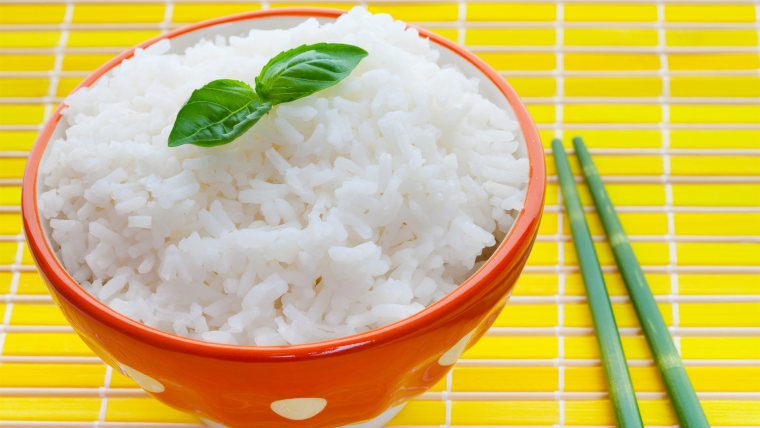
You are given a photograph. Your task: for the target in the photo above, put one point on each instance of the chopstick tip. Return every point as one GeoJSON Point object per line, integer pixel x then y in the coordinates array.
{"type": "Point", "coordinates": [578, 142]}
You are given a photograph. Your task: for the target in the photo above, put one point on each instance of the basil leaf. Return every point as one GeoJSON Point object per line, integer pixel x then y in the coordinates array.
{"type": "Point", "coordinates": [224, 109]}
{"type": "Point", "coordinates": [306, 69]}
{"type": "Point", "coordinates": [217, 113]}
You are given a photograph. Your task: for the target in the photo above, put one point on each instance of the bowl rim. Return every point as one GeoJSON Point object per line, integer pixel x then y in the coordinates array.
{"type": "Point", "coordinates": [68, 288]}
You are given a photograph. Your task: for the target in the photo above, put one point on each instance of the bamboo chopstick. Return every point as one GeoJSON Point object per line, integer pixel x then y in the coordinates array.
{"type": "Point", "coordinates": [622, 396]}
{"type": "Point", "coordinates": [677, 383]}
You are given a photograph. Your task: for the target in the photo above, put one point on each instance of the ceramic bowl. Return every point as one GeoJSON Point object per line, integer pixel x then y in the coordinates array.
{"type": "Point", "coordinates": [362, 378]}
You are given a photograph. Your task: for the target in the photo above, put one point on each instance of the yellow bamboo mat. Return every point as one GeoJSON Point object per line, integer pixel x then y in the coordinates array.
{"type": "Point", "coordinates": [667, 95]}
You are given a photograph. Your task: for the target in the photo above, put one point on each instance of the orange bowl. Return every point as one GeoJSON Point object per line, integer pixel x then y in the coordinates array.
{"type": "Point", "coordinates": [363, 378]}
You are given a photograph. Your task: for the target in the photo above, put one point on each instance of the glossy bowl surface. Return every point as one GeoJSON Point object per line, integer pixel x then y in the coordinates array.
{"type": "Point", "coordinates": [324, 384]}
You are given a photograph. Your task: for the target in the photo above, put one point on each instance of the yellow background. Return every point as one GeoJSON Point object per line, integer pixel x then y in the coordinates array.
{"type": "Point", "coordinates": [667, 95]}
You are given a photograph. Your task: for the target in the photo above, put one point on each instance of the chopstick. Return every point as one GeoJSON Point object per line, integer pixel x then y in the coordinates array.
{"type": "Point", "coordinates": [677, 383]}
{"type": "Point", "coordinates": [622, 396]}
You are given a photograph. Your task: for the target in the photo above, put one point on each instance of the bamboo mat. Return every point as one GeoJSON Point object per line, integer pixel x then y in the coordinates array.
{"type": "Point", "coordinates": [667, 95]}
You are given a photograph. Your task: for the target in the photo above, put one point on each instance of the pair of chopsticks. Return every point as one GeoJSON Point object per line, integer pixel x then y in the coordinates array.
{"type": "Point", "coordinates": [621, 393]}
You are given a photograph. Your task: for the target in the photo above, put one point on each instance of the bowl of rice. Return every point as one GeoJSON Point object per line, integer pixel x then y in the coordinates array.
{"type": "Point", "coordinates": [325, 267]}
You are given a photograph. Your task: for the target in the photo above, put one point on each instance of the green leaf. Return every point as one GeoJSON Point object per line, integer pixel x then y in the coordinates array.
{"type": "Point", "coordinates": [217, 113]}
{"type": "Point", "coordinates": [224, 109]}
{"type": "Point", "coordinates": [305, 70]}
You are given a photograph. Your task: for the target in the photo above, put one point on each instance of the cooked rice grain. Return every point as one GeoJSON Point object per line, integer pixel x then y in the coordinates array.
{"type": "Point", "coordinates": [337, 213]}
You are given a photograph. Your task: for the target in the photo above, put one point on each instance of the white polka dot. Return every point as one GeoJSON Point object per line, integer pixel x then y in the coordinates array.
{"type": "Point", "coordinates": [146, 382]}
{"type": "Point", "coordinates": [379, 421]}
{"type": "Point", "coordinates": [211, 424]}
{"type": "Point", "coordinates": [452, 355]}
{"type": "Point", "coordinates": [298, 409]}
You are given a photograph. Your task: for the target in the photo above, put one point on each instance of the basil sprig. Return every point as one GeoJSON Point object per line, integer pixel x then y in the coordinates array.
{"type": "Point", "coordinates": [224, 109]}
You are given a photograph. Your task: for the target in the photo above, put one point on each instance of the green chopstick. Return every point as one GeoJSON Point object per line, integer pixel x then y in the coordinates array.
{"type": "Point", "coordinates": [677, 383]}
{"type": "Point", "coordinates": [622, 396]}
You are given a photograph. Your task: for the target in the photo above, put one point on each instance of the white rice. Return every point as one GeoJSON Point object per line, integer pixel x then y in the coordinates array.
{"type": "Point", "coordinates": [335, 214]}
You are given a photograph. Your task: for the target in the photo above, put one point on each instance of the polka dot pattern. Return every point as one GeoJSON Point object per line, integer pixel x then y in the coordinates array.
{"type": "Point", "coordinates": [146, 382]}
{"type": "Point", "coordinates": [211, 424]}
{"type": "Point", "coordinates": [299, 409]}
{"type": "Point", "coordinates": [380, 420]}
{"type": "Point", "coordinates": [452, 355]}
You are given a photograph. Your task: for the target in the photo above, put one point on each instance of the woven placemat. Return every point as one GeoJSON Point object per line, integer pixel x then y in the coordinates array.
{"type": "Point", "coordinates": [666, 94]}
